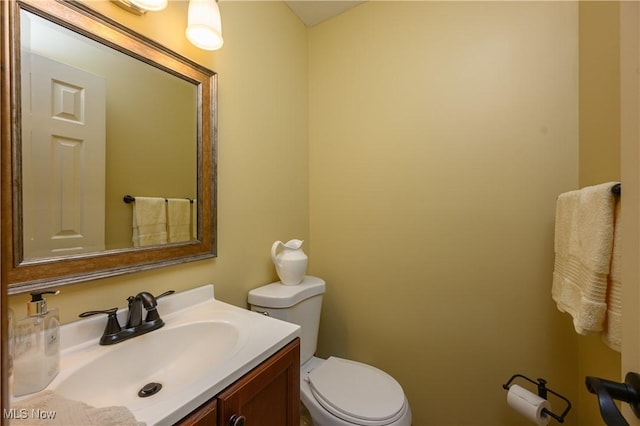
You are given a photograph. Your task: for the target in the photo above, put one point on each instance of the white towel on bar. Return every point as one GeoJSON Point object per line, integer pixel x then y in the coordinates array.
{"type": "Point", "coordinates": [612, 334]}
{"type": "Point", "coordinates": [149, 221]}
{"type": "Point", "coordinates": [179, 219]}
{"type": "Point", "coordinates": [583, 245]}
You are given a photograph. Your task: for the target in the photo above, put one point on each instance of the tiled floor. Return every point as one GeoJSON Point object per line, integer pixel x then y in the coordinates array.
{"type": "Point", "coordinates": [305, 418]}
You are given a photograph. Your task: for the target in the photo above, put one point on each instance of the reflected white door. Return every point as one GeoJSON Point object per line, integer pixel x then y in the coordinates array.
{"type": "Point", "coordinates": [63, 159]}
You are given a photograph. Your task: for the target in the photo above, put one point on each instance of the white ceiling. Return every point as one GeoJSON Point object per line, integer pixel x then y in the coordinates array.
{"type": "Point", "coordinates": [312, 12]}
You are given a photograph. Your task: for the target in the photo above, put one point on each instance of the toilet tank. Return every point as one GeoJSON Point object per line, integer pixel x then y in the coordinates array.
{"type": "Point", "coordinates": [298, 304]}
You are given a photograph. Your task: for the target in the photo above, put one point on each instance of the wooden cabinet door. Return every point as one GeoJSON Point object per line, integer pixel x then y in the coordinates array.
{"type": "Point", "coordinates": [205, 415]}
{"type": "Point", "coordinates": [269, 395]}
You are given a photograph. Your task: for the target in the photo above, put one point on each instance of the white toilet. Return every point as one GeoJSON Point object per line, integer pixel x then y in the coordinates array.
{"type": "Point", "coordinates": [336, 391]}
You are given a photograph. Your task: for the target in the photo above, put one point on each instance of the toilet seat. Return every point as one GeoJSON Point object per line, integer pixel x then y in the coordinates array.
{"type": "Point", "coordinates": [357, 393]}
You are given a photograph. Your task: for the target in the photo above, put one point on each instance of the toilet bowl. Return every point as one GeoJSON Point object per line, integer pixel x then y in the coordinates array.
{"type": "Point", "coordinates": [340, 392]}
{"type": "Point", "coordinates": [335, 391]}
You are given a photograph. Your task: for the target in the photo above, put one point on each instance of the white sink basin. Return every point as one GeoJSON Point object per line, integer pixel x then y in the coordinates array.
{"type": "Point", "coordinates": [173, 357]}
{"type": "Point", "coordinates": [205, 346]}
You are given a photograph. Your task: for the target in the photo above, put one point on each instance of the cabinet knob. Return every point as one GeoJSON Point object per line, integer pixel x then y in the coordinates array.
{"type": "Point", "coordinates": [236, 420]}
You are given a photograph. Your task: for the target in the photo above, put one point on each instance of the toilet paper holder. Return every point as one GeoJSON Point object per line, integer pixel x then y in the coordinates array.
{"type": "Point", "coordinates": [543, 391]}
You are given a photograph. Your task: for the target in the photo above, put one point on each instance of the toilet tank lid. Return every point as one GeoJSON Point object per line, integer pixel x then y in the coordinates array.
{"type": "Point", "coordinates": [278, 295]}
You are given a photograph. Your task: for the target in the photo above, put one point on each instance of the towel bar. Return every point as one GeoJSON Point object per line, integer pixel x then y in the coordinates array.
{"type": "Point", "coordinates": [129, 199]}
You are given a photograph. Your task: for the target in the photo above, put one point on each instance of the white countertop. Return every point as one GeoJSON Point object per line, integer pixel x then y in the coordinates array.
{"type": "Point", "coordinates": [257, 338]}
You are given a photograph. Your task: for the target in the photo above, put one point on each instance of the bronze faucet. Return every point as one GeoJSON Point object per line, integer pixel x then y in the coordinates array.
{"type": "Point", "coordinates": [135, 326]}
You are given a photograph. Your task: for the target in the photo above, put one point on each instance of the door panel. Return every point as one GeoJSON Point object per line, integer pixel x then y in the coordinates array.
{"type": "Point", "coordinates": [64, 133]}
{"type": "Point", "coordinates": [267, 396]}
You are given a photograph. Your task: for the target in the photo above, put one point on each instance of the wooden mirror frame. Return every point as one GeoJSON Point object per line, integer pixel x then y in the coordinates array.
{"type": "Point", "coordinates": [23, 276]}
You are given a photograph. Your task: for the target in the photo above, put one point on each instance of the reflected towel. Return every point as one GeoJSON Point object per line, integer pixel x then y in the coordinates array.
{"type": "Point", "coordinates": [179, 219]}
{"type": "Point", "coordinates": [49, 408]}
{"type": "Point", "coordinates": [612, 334]}
{"type": "Point", "coordinates": [583, 246]}
{"type": "Point", "coordinates": [149, 221]}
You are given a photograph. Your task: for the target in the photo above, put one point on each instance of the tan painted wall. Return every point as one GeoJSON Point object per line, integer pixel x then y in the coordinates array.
{"type": "Point", "coordinates": [599, 160]}
{"type": "Point", "coordinates": [441, 134]}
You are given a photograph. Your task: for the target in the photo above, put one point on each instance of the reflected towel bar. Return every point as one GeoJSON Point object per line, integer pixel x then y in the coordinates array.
{"type": "Point", "coordinates": [129, 199]}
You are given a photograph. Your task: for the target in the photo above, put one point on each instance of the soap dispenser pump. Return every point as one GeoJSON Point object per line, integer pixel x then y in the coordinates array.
{"type": "Point", "coordinates": [36, 346]}
{"type": "Point", "coordinates": [38, 305]}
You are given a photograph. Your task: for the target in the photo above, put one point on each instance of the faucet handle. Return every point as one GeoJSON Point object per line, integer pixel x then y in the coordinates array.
{"type": "Point", "coordinates": [113, 326]}
{"type": "Point", "coordinates": [166, 293]}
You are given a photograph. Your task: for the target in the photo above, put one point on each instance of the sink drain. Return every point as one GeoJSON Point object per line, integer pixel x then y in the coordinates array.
{"type": "Point", "coordinates": [149, 389]}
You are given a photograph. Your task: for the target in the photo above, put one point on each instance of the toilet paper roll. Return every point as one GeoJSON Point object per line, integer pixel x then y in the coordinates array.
{"type": "Point", "coordinates": [528, 404]}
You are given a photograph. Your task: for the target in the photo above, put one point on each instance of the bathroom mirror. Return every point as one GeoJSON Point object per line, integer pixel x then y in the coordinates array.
{"type": "Point", "coordinates": [155, 137]}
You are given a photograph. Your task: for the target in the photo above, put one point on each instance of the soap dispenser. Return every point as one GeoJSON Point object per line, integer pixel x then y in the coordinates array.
{"type": "Point", "coordinates": [36, 348]}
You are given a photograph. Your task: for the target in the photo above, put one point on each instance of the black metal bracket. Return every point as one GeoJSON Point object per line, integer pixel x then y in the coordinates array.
{"type": "Point", "coordinates": [543, 392]}
{"type": "Point", "coordinates": [607, 391]}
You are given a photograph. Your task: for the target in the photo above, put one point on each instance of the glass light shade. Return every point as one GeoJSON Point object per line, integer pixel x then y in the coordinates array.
{"type": "Point", "coordinates": [204, 28]}
{"type": "Point", "coordinates": [153, 5]}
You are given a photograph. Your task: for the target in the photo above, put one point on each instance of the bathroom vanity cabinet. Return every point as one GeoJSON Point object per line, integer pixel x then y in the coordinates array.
{"type": "Point", "coordinates": [269, 395]}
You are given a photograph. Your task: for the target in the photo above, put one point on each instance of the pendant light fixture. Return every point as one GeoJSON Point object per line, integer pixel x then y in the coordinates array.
{"type": "Point", "coordinates": [204, 27]}
{"type": "Point", "coordinates": [151, 5]}
{"type": "Point", "coordinates": [140, 7]}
